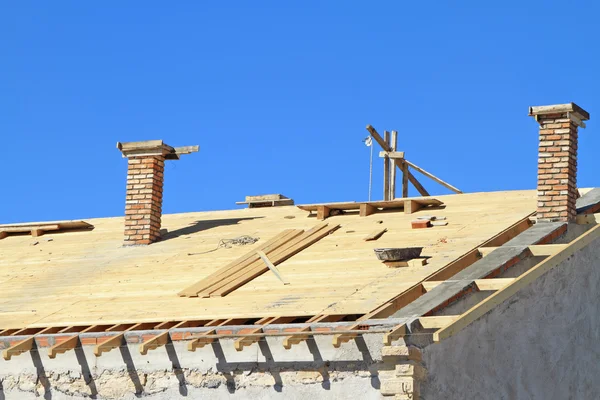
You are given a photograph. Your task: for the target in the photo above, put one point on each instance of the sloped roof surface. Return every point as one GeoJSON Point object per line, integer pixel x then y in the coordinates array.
{"type": "Point", "coordinates": [83, 278]}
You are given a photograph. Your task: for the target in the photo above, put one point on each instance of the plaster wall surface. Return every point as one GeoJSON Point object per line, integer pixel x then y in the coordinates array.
{"type": "Point", "coordinates": [543, 343]}
{"type": "Point", "coordinates": [312, 369]}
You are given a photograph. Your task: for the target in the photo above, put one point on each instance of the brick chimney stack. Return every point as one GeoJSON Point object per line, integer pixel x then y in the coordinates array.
{"type": "Point", "coordinates": [557, 162]}
{"type": "Point", "coordinates": [145, 176]}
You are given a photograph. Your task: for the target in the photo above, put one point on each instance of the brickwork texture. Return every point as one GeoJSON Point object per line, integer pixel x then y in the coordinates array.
{"type": "Point", "coordinates": [143, 204]}
{"type": "Point", "coordinates": [557, 168]}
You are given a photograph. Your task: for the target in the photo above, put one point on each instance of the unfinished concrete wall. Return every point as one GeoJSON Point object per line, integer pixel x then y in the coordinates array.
{"type": "Point", "coordinates": [310, 370]}
{"type": "Point", "coordinates": [543, 343]}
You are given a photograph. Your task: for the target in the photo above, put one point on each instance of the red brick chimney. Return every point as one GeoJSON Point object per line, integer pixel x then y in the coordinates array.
{"type": "Point", "coordinates": [557, 163]}
{"type": "Point", "coordinates": [145, 175]}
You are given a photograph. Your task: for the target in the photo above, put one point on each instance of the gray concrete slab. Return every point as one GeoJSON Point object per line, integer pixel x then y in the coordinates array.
{"type": "Point", "coordinates": [535, 234]}
{"type": "Point", "coordinates": [588, 200]}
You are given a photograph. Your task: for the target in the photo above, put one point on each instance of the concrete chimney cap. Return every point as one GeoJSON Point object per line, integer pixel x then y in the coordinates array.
{"type": "Point", "coordinates": [154, 148]}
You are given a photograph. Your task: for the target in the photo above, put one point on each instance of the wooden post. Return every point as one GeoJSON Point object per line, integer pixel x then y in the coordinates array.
{"type": "Point", "coordinates": [404, 179]}
{"type": "Point", "coordinates": [392, 167]}
{"type": "Point", "coordinates": [386, 169]}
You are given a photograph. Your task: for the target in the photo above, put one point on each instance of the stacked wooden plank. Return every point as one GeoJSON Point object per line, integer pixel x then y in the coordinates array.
{"type": "Point", "coordinates": [39, 228]}
{"type": "Point", "coordinates": [250, 265]}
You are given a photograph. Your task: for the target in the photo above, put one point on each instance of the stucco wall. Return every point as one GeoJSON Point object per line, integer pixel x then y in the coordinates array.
{"type": "Point", "coordinates": [543, 343]}
{"type": "Point", "coordinates": [313, 369]}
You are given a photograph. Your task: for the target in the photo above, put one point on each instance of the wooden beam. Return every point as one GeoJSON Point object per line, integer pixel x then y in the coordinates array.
{"type": "Point", "coordinates": [247, 341]}
{"type": "Point", "coordinates": [289, 341]}
{"type": "Point", "coordinates": [322, 212]}
{"type": "Point", "coordinates": [18, 348]}
{"type": "Point", "coordinates": [167, 324]}
{"type": "Point", "coordinates": [109, 344]}
{"type": "Point", "coordinates": [49, 330]}
{"type": "Point", "coordinates": [279, 334]}
{"type": "Point", "coordinates": [37, 232]}
{"type": "Point", "coordinates": [378, 138]}
{"type": "Point", "coordinates": [392, 167]}
{"type": "Point", "coordinates": [375, 235]}
{"type": "Point", "coordinates": [386, 169]}
{"type": "Point", "coordinates": [437, 321]}
{"type": "Point", "coordinates": [387, 148]}
{"type": "Point", "coordinates": [493, 283]}
{"type": "Point", "coordinates": [411, 206]}
{"type": "Point", "coordinates": [119, 327]}
{"type": "Point", "coordinates": [205, 337]}
{"type": "Point", "coordinates": [404, 179]}
{"type": "Point", "coordinates": [366, 209]}
{"type": "Point", "coordinates": [435, 178]}
{"type": "Point", "coordinates": [154, 343]}
{"type": "Point", "coordinates": [416, 262]}
{"type": "Point", "coordinates": [3, 235]}
{"type": "Point", "coordinates": [519, 283]}
{"type": "Point", "coordinates": [201, 341]}
{"type": "Point", "coordinates": [481, 284]}
{"type": "Point", "coordinates": [416, 183]}
{"type": "Point", "coordinates": [546, 249]}
{"type": "Point", "coordinates": [395, 334]}
{"type": "Point", "coordinates": [272, 267]}
{"type": "Point", "coordinates": [392, 155]}
{"type": "Point", "coordinates": [26, 331]}
{"type": "Point", "coordinates": [582, 219]}
{"type": "Point", "coordinates": [142, 326]}
{"type": "Point", "coordinates": [64, 346]}
{"type": "Point", "coordinates": [433, 322]}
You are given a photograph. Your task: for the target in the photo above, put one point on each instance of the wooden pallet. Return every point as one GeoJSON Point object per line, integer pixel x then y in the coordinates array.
{"type": "Point", "coordinates": [367, 208]}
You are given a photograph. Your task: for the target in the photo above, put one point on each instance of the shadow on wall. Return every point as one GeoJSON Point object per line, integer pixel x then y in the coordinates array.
{"type": "Point", "coordinates": [200, 226]}
{"type": "Point", "coordinates": [223, 366]}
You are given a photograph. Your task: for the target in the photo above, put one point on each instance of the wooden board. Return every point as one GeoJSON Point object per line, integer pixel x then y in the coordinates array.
{"type": "Point", "coordinates": [88, 277]}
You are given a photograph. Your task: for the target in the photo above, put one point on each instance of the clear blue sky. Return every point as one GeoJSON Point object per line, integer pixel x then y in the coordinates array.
{"type": "Point", "coordinates": [277, 94]}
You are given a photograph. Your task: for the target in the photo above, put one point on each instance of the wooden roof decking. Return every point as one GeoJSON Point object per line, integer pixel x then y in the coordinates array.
{"type": "Point", "coordinates": [89, 278]}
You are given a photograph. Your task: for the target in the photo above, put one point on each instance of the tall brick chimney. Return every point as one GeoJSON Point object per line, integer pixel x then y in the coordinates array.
{"type": "Point", "coordinates": [145, 175]}
{"type": "Point", "coordinates": [557, 162]}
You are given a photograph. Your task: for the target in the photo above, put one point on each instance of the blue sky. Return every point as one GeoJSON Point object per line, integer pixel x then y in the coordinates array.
{"type": "Point", "coordinates": [278, 94]}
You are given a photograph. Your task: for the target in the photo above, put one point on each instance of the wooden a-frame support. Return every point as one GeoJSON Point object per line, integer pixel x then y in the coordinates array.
{"type": "Point", "coordinates": [392, 157]}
